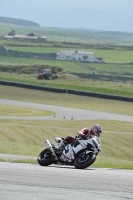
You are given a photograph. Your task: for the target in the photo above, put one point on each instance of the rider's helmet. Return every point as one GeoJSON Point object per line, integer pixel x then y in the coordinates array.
{"type": "Point", "coordinates": [96, 130]}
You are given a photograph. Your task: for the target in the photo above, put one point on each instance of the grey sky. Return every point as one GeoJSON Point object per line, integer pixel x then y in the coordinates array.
{"type": "Point", "coordinates": [110, 15]}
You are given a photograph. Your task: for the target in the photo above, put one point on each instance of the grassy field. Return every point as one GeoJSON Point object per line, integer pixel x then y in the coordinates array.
{"type": "Point", "coordinates": [6, 110]}
{"type": "Point", "coordinates": [73, 67]}
{"type": "Point", "coordinates": [107, 55]}
{"type": "Point", "coordinates": [26, 137]}
{"type": "Point", "coordinates": [119, 74]}
{"type": "Point", "coordinates": [72, 35]}
{"type": "Point", "coordinates": [68, 81]}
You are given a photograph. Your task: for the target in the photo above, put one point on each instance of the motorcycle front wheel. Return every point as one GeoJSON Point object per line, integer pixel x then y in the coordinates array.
{"type": "Point", "coordinates": [84, 160]}
{"type": "Point", "coordinates": [45, 158]}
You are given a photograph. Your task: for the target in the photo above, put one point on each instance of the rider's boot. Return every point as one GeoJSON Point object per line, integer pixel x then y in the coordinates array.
{"type": "Point", "coordinates": [58, 148]}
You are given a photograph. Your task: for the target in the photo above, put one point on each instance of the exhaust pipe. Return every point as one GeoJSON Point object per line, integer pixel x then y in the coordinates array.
{"type": "Point", "coordinates": [49, 146]}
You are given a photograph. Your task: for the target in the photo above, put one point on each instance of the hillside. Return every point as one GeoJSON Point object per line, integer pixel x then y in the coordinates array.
{"type": "Point", "coordinates": [81, 36]}
{"type": "Point", "coordinates": [18, 21]}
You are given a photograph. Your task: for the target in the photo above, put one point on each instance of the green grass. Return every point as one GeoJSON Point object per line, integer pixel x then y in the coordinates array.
{"type": "Point", "coordinates": [75, 83]}
{"type": "Point", "coordinates": [72, 67]}
{"type": "Point", "coordinates": [72, 35]}
{"type": "Point", "coordinates": [6, 110]}
{"type": "Point", "coordinates": [112, 163]}
{"type": "Point", "coordinates": [36, 49]}
{"type": "Point", "coordinates": [123, 88]}
{"type": "Point", "coordinates": [113, 55]}
{"type": "Point", "coordinates": [107, 55]}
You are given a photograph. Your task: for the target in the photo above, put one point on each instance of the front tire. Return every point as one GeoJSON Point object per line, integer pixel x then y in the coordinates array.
{"type": "Point", "coordinates": [84, 160]}
{"type": "Point", "coordinates": [45, 158]}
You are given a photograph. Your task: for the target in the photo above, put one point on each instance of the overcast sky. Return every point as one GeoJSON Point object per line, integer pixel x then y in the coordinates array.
{"type": "Point", "coordinates": [110, 15]}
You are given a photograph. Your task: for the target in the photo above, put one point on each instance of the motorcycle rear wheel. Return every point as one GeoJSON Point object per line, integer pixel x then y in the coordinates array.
{"type": "Point", "coordinates": [82, 162]}
{"type": "Point", "coordinates": [45, 158]}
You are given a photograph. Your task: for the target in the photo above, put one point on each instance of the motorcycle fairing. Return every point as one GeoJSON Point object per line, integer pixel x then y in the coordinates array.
{"type": "Point", "coordinates": [70, 150]}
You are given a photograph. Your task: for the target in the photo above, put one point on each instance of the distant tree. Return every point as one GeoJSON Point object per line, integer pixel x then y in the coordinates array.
{"type": "Point", "coordinates": [18, 21]}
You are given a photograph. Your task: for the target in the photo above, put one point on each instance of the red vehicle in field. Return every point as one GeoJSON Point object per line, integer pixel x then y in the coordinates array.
{"type": "Point", "coordinates": [47, 74]}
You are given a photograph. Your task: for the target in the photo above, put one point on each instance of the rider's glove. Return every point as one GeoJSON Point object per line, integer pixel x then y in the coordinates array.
{"type": "Point", "coordinates": [84, 137]}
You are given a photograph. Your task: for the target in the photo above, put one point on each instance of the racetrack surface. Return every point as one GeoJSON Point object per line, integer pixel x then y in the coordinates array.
{"type": "Point", "coordinates": [61, 112]}
{"type": "Point", "coordinates": [31, 181]}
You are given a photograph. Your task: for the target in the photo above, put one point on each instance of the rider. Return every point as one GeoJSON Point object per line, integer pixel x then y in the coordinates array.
{"type": "Point", "coordinates": [83, 134]}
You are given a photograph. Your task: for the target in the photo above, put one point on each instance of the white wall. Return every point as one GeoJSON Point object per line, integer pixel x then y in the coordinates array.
{"type": "Point", "coordinates": [76, 56]}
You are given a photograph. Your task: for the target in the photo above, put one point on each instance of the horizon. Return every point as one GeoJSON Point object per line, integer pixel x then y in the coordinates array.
{"type": "Point", "coordinates": [103, 15]}
{"type": "Point", "coordinates": [63, 27]}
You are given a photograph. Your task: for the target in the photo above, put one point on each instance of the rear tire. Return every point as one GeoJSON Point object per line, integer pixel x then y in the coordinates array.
{"type": "Point", "coordinates": [81, 162]}
{"type": "Point", "coordinates": [45, 158]}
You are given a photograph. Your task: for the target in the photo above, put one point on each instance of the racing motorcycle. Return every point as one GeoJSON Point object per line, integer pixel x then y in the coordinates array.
{"type": "Point", "coordinates": [80, 153]}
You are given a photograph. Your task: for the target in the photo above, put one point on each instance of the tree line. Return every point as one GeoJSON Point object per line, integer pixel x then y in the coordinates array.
{"type": "Point", "coordinates": [18, 21]}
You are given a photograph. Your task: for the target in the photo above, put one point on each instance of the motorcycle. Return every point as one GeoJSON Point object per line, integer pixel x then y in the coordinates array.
{"type": "Point", "coordinates": [80, 153]}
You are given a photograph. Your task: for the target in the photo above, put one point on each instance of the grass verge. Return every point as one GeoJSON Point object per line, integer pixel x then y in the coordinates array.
{"type": "Point", "coordinates": [100, 162]}
{"type": "Point", "coordinates": [6, 110]}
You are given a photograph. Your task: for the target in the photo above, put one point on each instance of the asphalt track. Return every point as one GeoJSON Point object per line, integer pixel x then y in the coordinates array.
{"type": "Point", "coordinates": [19, 181]}
{"type": "Point", "coordinates": [28, 181]}
{"type": "Point", "coordinates": [63, 113]}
